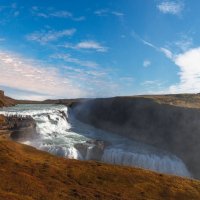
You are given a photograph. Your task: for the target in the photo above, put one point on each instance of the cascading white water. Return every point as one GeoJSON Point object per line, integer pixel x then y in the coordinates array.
{"type": "Point", "coordinates": [162, 163]}
{"type": "Point", "coordinates": [61, 134]}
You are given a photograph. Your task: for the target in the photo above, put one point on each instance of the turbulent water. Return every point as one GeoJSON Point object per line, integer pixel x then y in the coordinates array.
{"type": "Point", "coordinates": [59, 133]}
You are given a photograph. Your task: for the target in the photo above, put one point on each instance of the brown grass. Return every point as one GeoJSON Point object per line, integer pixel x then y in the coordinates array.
{"type": "Point", "coordinates": [29, 174]}
{"type": "Point", "coordinates": [181, 100]}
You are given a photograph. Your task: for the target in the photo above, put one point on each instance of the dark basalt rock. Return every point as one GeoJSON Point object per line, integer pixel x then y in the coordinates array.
{"type": "Point", "coordinates": [92, 149]}
{"type": "Point", "coordinates": [20, 128]}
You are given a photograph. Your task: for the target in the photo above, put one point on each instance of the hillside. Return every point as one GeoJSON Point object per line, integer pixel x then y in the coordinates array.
{"type": "Point", "coordinates": [180, 100]}
{"type": "Point", "coordinates": [27, 174]}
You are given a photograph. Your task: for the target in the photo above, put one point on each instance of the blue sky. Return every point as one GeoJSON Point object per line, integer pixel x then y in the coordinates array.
{"type": "Point", "coordinates": [99, 48]}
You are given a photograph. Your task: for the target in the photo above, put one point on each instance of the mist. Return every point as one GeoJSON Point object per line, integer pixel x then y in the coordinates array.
{"type": "Point", "coordinates": [166, 127]}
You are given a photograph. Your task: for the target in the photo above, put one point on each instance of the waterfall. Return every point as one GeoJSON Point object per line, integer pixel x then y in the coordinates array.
{"type": "Point", "coordinates": [61, 134]}
{"type": "Point", "coordinates": [162, 163]}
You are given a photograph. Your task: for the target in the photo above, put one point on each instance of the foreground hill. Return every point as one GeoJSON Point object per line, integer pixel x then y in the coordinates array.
{"type": "Point", "coordinates": [28, 174]}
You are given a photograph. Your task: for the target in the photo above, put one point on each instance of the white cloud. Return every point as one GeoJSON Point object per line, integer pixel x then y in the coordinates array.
{"type": "Point", "coordinates": [146, 63]}
{"type": "Point", "coordinates": [88, 45]}
{"type": "Point", "coordinates": [189, 65]}
{"type": "Point", "coordinates": [31, 75]}
{"type": "Point", "coordinates": [171, 7]}
{"type": "Point", "coordinates": [44, 37]}
{"type": "Point", "coordinates": [69, 59]}
{"type": "Point", "coordinates": [189, 70]}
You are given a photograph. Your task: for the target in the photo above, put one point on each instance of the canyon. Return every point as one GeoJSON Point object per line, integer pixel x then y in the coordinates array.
{"type": "Point", "coordinates": [170, 123]}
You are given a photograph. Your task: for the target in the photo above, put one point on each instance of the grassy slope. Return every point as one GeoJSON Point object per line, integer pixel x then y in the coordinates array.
{"type": "Point", "coordinates": [181, 100]}
{"type": "Point", "coordinates": [27, 173]}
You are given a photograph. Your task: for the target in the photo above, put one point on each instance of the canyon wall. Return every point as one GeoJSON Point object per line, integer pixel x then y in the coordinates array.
{"type": "Point", "coordinates": [171, 128]}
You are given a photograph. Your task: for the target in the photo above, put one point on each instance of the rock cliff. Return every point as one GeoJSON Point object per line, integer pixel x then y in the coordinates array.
{"type": "Point", "coordinates": [19, 128]}
{"type": "Point", "coordinates": [168, 127]}
{"type": "Point", "coordinates": [6, 101]}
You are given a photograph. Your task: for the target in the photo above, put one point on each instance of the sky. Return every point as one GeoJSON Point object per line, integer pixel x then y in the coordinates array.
{"type": "Point", "coordinates": [99, 48]}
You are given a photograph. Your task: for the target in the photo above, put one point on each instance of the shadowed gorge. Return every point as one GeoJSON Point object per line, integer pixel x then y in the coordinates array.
{"type": "Point", "coordinates": [168, 127]}
{"type": "Point", "coordinates": [126, 129]}
{"type": "Point", "coordinates": [53, 128]}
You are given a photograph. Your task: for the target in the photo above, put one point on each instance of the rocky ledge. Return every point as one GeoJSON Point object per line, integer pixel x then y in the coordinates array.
{"type": "Point", "coordinates": [19, 128]}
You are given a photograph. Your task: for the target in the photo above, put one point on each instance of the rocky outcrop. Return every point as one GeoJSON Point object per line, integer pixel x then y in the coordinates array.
{"type": "Point", "coordinates": [6, 101]}
{"type": "Point", "coordinates": [171, 128]}
{"type": "Point", "coordinates": [92, 149]}
{"type": "Point", "coordinates": [20, 128]}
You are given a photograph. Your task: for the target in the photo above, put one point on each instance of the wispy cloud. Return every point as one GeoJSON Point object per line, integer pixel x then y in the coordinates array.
{"type": "Point", "coordinates": [106, 12]}
{"type": "Point", "coordinates": [119, 14]}
{"type": "Point", "coordinates": [61, 14]}
{"type": "Point", "coordinates": [49, 13]}
{"type": "Point", "coordinates": [188, 63]}
{"type": "Point", "coordinates": [9, 12]}
{"type": "Point", "coordinates": [185, 43]}
{"type": "Point", "coordinates": [146, 63]}
{"type": "Point", "coordinates": [167, 53]}
{"type": "Point", "coordinates": [33, 76]}
{"type": "Point", "coordinates": [69, 59]}
{"type": "Point", "coordinates": [163, 50]}
{"type": "Point", "coordinates": [171, 7]}
{"type": "Point", "coordinates": [44, 37]}
{"type": "Point", "coordinates": [87, 45]}
{"type": "Point", "coordinates": [40, 80]}
{"type": "Point", "coordinates": [152, 83]}
{"type": "Point", "coordinates": [189, 66]}
{"type": "Point", "coordinates": [101, 12]}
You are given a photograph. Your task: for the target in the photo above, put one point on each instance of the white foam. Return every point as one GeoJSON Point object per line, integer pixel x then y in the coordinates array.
{"type": "Point", "coordinates": [161, 163]}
